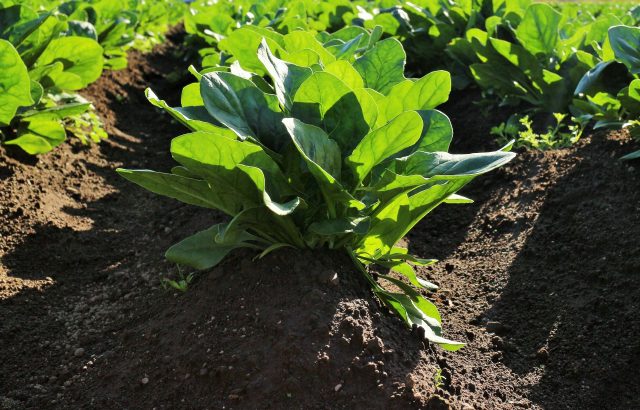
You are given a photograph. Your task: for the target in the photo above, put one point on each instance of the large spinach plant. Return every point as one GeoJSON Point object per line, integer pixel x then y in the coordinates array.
{"type": "Point", "coordinates": [343, 152]}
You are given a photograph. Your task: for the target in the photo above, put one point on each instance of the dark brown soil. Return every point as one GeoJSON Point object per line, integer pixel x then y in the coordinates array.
{"type": "Point", "coordinates": [540, 277]}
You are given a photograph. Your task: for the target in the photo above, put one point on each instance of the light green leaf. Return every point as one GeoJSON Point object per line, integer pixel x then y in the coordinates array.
{"type": "Point", "coordinates": [400, 133]}
{"type": "Point", "coordinates": [304, 40]}
{"type": "Point", "coordinates": [39, 135]}
{"type": "Point", "coordinates": [15, 86]}
{"type": "Point", "coordinates": [316, 95]}
{"type": "Point", "coordinates": [539, 30]}
{"type": "Point", "coordinates": [382, 66]}
{"type": "Point", "coordinates": [424, 94]}
{"type": "Point", "coordinates": [287, 77]}
{"type": "Point", "coordinates": [437, 132]}
{"type": "Point", "coordinates": [458, 199]}
{"type": "Point", "coordinates": [190, 96]}
{"type": "Point", "coordinates": [201, 251]}
{"type": "Point", "coordinates": [186, 189]}
{"type": "Point", "coordinates": [81, 60]}
{"type": "Point", "coordinates": [314, 145]}
{"type": "Point", "coordinates": [346, 73]}
{"type": "Point", "coordinates": [243, 43]}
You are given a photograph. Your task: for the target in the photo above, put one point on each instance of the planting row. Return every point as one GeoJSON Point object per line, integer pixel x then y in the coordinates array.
{"type": "Point", "coordinates": [314, 124]}
{"type": "Point", "coordinates": [50, 49]}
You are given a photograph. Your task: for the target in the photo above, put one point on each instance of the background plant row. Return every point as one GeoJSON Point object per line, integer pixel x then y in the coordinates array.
{"type": "Point", "coordinates": [51, 49]}
{"type": "Point", "coordinates": [558, 68]}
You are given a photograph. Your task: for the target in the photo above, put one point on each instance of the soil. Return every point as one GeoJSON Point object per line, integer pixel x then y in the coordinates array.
{"type": "Point", "coordinates": [540, 276]}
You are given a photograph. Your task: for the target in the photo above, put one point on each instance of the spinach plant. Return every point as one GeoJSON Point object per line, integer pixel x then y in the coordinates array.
{"type": "Point", "coordinates": [339, 151]}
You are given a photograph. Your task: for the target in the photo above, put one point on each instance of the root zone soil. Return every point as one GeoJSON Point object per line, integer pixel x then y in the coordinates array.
{"type": "Point", "coordinates": [539, 276]}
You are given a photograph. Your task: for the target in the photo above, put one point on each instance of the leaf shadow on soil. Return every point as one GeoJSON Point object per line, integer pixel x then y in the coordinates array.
{"type": "Point", "coordinates": [569, 307]}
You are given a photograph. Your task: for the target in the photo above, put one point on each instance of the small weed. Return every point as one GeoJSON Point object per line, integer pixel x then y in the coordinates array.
{"type": "Point", "coordinates": [181, 284]}
{"type": "Point", "coordinates": [521, 130]}
{"type": "Point", "coordinates": [438, 378]}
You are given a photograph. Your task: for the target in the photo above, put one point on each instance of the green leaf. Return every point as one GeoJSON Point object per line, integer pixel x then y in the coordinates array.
{"type": "Point", "coordinates": [243, 43]}
{"type": "Point", "coordinates": [17, 22]}
{"type": "Point", "coordinates": [201, 251]}
{"type": "Point", "coordinates": [15, 86]}
{"type": "Point", "coordinates": [633, 155]}
{"type": "Point", "coordinates": [606, 76]}
{"type": "Point", "coordinates": [390, 185]}
{"type": "Point", "coordinates": [400, 133]}
{"type": "Point", "coordinates": [258, 178]}
{"type": "Point", "coordinates": [194, 118]}
{"type": "Point", "coordinates": [39, 135]}
{"type": "Point", "coordinates": [190, 96]}
{"type": "Point", "coordinates": [186, 189]}
{"type": "Point", "coordinates": [382, 66]}
{"type": "Point", "coordinates": [59, 111]}
{"type": "Point", "coordinates": [388, 224]}
{"type": "Point", "coordinates": [81, 60]}
{"type": "Point", "coordinates": [240, 105]}
{"type": "Point", "coordinates": [418, 311]}
{"type": "Point", "coordinates": [315, 145]}
{"type": "Point", "coordinates": [34, 42]}
{"type": "Point", "coordinates": [344, 71]}
{"type": "Point", "coordinates": [286, 77]}
{"type": "Point", "coordinates": [304, 40]}
{"type": "Point", "coordinates": [539, 30]}
{"type": "Point", "coordinates": [424, 94]}
{"type": "Point", "coordinates": [216, 159]}
{"type": "Point", "coordinates": [316, 95]}
{"type": "Point", "coordinates": [447, 166]}
{"type": "Point", "coordinates": [340, 226]}
{"type": "Point", "coordinates": [437, 132]}
{"type": "Point", "coordinates": [37, 92]}
{"type": "Point", "coordinates": [458, 199]}
{"type": "Point", "coordinates": [325, 101]}
{"type": "Point", "coordinates": [625, 42]}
